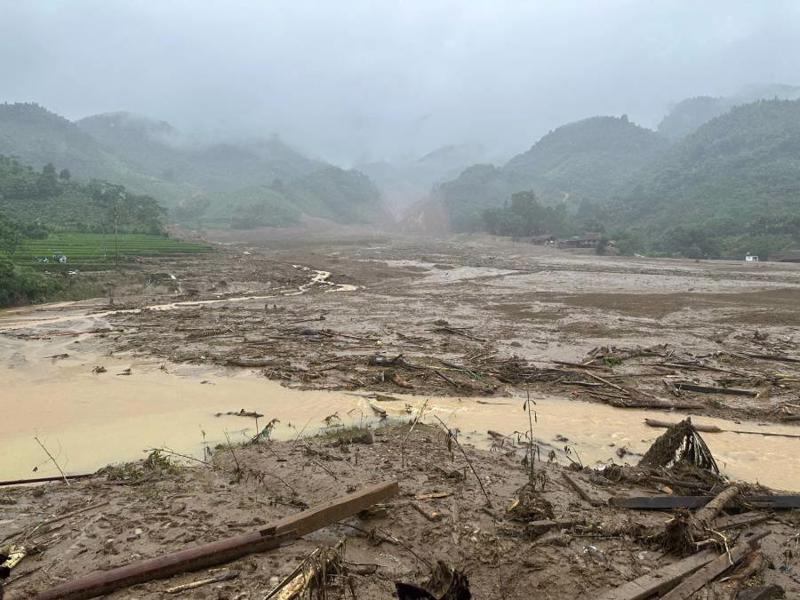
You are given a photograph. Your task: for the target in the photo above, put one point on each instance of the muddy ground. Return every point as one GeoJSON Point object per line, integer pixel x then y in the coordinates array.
{"type": "Point", "coordinates": [461, 317]}
{"type": "Point", "coordinates": [477, 316]}
{"type": "Point", "coordinates": [142, 510]}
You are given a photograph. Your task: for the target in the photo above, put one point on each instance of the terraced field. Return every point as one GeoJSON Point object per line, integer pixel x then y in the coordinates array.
{"type": "Point", "coordinates": [99, 251]}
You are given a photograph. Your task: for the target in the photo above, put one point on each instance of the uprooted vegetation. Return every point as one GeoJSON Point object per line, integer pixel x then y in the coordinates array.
{"type": "Point", "coordinates": [571, 532]}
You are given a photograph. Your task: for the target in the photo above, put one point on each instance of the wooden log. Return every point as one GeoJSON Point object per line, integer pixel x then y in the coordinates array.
{"type": "Point", "coordinates": [659, 580]}
{"type": "Point", "coordinates": [216, 553]}
{"type": "Point", "coordinates": [764, 592]}
{"type": "Point", "coordinates": [579, 490]}
{"type": "Point", "coordinates": [709, 512]}
{"type": "Point", "coordinates": [708, 389]}
{"type": "Point", "coordinates": [741, 520]}
{"type": "Point", "coordinates": [714, 569]}
{"type": "Point", "coordinates": [715, 429]}
{"type": "Point", "coordinates": [44, 479]}
{"type": "Point", "coordinates": [659, 502]}
{"type": "Point", "coordinates": [666, 425]}
{"type": "Point", "coordinates": [673, 502]}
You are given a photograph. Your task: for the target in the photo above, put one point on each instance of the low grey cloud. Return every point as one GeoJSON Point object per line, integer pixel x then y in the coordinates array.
{"type": "Point", "coordinates": [358, 80]}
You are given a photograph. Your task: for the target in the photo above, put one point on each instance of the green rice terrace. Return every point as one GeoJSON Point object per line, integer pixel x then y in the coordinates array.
{"type": "Point", "coordinates": [98, 251]}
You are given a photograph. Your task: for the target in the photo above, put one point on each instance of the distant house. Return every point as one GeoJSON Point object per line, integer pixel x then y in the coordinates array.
{"type": "Point", "coordinates": [542, 240]}
{"type": "Point", "coordinates": [787, 256]}
{"type": "Point", "coordinates": [587, 240]}
{"type": "Point", "coordinates": [751, 258]}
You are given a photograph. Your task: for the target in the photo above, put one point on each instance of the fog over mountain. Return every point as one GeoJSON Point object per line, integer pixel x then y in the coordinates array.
{"type": "Point", "coordinates": [362, 82]}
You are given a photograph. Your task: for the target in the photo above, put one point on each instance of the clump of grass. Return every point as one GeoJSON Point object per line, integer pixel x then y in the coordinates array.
{"type": "Point", "coordinates": [156, 466]}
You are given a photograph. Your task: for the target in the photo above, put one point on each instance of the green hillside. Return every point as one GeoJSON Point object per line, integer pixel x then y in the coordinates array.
{"type": "Point", "coordinates": [53, 201]}
{"type": "Point", "coordinates": [332, 193]}
{"type": "Point", "coordinates": [734, 184]}
{"type": "Point", "coordinates": [259, 181]}
{"type": "Point", "coordinates": [157, 149]}
{"type": "Point", "coordinates": [687, 115]}
{"type": "Point", "coordinates": [590, 160]}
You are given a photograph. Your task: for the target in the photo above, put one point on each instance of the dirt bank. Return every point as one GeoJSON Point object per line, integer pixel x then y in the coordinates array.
{"type": "Point", "coordinates": [146, 509]}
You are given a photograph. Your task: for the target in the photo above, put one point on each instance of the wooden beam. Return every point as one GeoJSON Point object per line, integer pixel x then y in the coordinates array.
{"type": "Point", "coordinates": [223, 551]}
{"type": "Point", "coordinates": [708, 389]}
{"type": "Point", "coordinates": [740, 520]}
{"type": "Point", "coordinates": [660, 579]}
{"type": "Point", "coordinates": [673, 502]}
{"type": "Point", "coordinates": [714, 569]}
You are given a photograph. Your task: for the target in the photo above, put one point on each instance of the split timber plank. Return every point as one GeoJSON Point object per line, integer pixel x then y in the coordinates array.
{"type": "Point", "coordinates": [708, 389]}
{"type": "Point", "coordinates": [672, 502]}
{"type": "Point", "coordinates": [223, 551]}
{"type": "Point", "coordinates": [659, 580]}
{"type": "Point", "coordinates": [741, 520]}
{"type": "Point", "coordinates": [687, 588]}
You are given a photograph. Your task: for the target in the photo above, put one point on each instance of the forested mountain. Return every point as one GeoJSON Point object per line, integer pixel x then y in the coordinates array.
{"type": "Point", "coordinates": [158, 150]}
{"type": "Point", "coordinates": [730, 187]}
{"type": "Point", "coordinates": [49, 200]}
{"type": "Point", "coordinates": [590, 160]}
{"type": "Point", "coordinates": [193, 180]}
{"type": "Point", "coordinates": [332, 193]}
{"type": "Point", "coordinates": [689, 114]}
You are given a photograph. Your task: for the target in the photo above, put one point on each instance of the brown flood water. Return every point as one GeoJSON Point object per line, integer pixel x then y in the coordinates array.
{"type": "Point", "coordinates": [91, 420]}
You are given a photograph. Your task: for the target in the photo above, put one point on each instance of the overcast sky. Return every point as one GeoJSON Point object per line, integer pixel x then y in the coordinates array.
{"type": "Point", "coordinates": [352, 80]}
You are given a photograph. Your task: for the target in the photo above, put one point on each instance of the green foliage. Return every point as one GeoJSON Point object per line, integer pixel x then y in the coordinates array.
{"type": "Point", "coordinates": [20, 285]}
{"type": "Point", "coordinates": [91, 251]}
{"type": "Point", "coordinates": [731, 187]}
{"type": "Point", "coordinates": [333, 193]}
{"type": "Point", "coordinates": [43, 201]}
{"type": "Point", "coordinates": [10, 235]}
{"type": "Point", "coordinates": [686, 116]}
{"type": "Point", "coordinates": [524, 216]}
{"type": "Point", "coordinates": [590, 160]}
{"type": "Point", "coordinates": [150, 158]}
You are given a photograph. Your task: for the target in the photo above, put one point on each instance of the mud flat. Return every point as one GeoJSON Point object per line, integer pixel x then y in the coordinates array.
{"type": "Point", "coordinates": [545, 540]}
{"type": "Point", "coordinates": [459, 330]}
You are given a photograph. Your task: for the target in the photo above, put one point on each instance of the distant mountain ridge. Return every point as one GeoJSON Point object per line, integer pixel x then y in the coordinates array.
{"type": "Point", "coordinates": [736, 179]}
{"type": "Point", "coordinates": [689, 114]}
{"type": "Point", "coordinates": [590, 160]}
{"type": "Point", "coordinates": [151, 157]}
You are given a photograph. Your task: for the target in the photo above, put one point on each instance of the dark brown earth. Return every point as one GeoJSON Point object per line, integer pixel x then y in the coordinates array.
{"type": "Point", "coordinates": [478, 316]}
{"type": "Point", "coordinates": [145, 509]}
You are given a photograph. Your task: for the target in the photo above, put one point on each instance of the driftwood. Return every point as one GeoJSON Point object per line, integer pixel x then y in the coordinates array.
{"type": "Point", "coordinates": [216, 553]}
{"type": "Point", "coordinates": [659, 580]}
{"type": "Point", "coordinates": [708, 389]}
{"type": "Point", "coordinates": [579, 490]}
{"type": "Point", "coordinates": [714, 429]}
{"type": "Point", "coordinates": [673, 502]}
{"type": "Point", "coordinates": [43, 479]}
{"type": "Point", "coordinates": [230, 575]}
{"type": "Point", "coordinates": [740, 520]}
{"type": "Point", "coordinates": [764, 592]}
{"type": "Point", "coordinates": [709, 512]}
{"type": "Point", "coordinates": [713, 569]}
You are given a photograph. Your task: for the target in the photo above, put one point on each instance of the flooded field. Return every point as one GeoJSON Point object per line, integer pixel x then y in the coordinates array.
{"type": "Point", "coordinates": [457, 331]}
{"type": "Point", "coordinates": [51, 390]}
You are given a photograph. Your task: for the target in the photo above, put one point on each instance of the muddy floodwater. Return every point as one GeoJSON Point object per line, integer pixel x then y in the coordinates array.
{"type": "Point", "coordinates": [100, 384]}
{"type": "Point", "coordinates": [88, 420]}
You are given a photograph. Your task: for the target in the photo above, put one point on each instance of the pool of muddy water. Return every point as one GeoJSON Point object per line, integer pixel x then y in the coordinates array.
{"type": "Point", "coordinates": [88, 420]}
